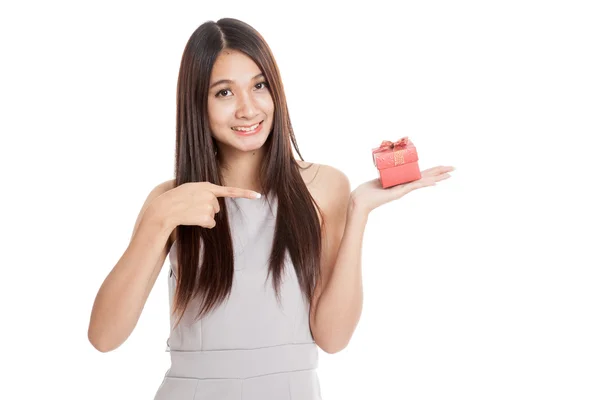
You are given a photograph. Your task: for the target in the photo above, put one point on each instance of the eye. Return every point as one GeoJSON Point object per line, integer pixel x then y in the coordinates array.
{"type": "Point", "coordinates": [221, 91]}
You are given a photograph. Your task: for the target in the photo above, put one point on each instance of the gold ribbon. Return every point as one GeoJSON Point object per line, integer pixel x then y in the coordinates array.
{"type": "Point", "coordinates": [398, 147]}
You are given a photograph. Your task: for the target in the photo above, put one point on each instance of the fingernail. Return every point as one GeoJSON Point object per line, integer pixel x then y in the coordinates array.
{"type": "Point", "coordinates": [258, 195]}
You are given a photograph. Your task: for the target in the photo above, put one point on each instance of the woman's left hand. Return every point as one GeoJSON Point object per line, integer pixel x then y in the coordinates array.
{"type": "Point", "coordinates": [371, 195]}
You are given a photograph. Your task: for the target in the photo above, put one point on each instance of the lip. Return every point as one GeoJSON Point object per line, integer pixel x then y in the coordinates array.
{"type": "Point", "coordinates": [258, 129]}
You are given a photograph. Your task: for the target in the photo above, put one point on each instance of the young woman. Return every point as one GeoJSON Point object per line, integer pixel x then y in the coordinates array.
{"type": "Point", "coordinates": [256, 284]}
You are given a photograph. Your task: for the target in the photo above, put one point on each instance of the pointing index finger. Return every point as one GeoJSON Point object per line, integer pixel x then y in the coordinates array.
{"type": "Point", "coordinates": [230, 191]}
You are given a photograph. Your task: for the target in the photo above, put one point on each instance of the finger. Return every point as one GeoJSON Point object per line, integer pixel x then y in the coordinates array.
{"type": "Point", "coordinates": [426, 183]}
{"type": "Point", "coordinates": [216, 205]}
{"type": "Point", "coordinates": [440, 169]}
{"type": "Point", "coordinates": [210, 208]}
{"type": "Point", "coordinates": [432, 170]}
{"type": "Point", "coordinates": [209, 222]}
{"type": "Point", "coordinates": [443, 176]}
{"type": "Point", "coordinates": [421, 183]}
{"type": "Point", "coordinates": [229, 191]}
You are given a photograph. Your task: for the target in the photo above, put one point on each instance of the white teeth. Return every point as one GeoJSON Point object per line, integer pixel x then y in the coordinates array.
{"type": "Point", "coordinates": [253, 127]}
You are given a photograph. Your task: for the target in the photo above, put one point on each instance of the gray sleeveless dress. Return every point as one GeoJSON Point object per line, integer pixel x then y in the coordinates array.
{"type": "Point", "coordinates": [249, 347]}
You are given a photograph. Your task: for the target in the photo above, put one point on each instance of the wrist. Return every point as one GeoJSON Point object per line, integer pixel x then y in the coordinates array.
{"type": "Point", "coordinates": [355, 208]}
{"type": "Point", "coordinates": [159, 214]}
{"type": "Point", "coordinates": [356, 211]}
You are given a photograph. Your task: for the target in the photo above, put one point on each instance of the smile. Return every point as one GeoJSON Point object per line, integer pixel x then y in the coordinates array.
{"type": "Point", "coordinates": [248, 130]}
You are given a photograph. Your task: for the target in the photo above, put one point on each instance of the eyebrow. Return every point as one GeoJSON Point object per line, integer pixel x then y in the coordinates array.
{"type": "Point", "coordinates": [230, 81]}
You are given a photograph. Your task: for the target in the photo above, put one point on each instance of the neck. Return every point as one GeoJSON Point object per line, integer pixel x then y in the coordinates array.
{"type": "Point", "coordinates": [241, 168]}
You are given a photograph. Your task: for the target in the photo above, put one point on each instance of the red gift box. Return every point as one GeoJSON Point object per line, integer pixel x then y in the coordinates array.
{"type": "Point", "coordinates": [397, 162]}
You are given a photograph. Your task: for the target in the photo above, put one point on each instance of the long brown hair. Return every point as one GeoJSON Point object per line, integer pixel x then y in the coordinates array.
{"type": "Point", "coordinates": [297, 228]}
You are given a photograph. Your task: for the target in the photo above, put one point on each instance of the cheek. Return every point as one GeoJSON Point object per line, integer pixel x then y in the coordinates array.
{"type": "Point", "coordinates": [218, 114]}
{"type": "Point", "coordinates": [267, 105]}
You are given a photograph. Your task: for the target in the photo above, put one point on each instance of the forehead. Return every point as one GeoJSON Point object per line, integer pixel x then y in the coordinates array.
{"type": "Point", "coordinates": [234, 65]}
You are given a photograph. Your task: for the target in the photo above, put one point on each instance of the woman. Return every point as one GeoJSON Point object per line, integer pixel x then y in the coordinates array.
{"type": "Point", "coordinates": [234, 335]}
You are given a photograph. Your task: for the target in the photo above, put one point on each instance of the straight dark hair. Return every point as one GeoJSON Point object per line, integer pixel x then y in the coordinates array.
{"type": "Point", "coordinates": [297, 228]}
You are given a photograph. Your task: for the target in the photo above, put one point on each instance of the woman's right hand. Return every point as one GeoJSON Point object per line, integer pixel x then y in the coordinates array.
{"type": "Point", "coordinates": [196, 203]}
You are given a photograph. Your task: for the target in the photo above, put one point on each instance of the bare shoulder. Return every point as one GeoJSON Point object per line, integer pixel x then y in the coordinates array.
{"type": "Point", "coordinates": [329, 186]}
{"type": "Point", "coordinates": [154, 193]}
{"type": "Point", "coordinates": [157, 191]}
{"type": "Point", "coordinates": [164, 187]}
{"type": "Point", "coordinates": [333, 186]}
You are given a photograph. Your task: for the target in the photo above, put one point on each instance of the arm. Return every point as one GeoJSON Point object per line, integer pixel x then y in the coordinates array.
{"type": "Point", "coordinates": [335, 314]}
{"type": "Point", "coordinates": [123, 294]}
{"type": "Point", "coordinates": [340, 305]}
{"type": "Point", "coordinates": [337, 305]}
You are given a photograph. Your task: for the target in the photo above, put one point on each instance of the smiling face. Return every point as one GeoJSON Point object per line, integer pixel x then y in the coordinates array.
{"type": "Point", "coordinates": [239, 98]}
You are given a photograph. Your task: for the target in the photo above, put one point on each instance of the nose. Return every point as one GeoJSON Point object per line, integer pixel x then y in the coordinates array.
{"type": "Point", "coordinates": [246, 107]}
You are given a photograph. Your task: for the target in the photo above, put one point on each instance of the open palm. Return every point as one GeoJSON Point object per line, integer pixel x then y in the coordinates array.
{"type": "Point", "coordinates": [371, 195]}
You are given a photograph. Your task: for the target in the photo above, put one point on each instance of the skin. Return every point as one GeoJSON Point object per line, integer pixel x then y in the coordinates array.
{"type": "Point", "coordinates": [337, 303]}
{"type": "Point", "coordinates": [245, 101]}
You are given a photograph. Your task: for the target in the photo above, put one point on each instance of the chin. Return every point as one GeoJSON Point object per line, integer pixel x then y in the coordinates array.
{"type": "Point", "coordinates": [255, 145]}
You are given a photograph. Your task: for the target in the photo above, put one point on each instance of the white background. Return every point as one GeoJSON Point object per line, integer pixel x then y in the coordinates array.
{"type": "Point", "coordinates": [483, 287]}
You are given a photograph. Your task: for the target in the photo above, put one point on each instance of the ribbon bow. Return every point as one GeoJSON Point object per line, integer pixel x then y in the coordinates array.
{"type": "Point", "coordinates": [389, 145]}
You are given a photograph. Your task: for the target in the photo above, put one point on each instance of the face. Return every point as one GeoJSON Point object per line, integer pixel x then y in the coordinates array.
{"type": "Point", "coordinates": [239, 97]}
